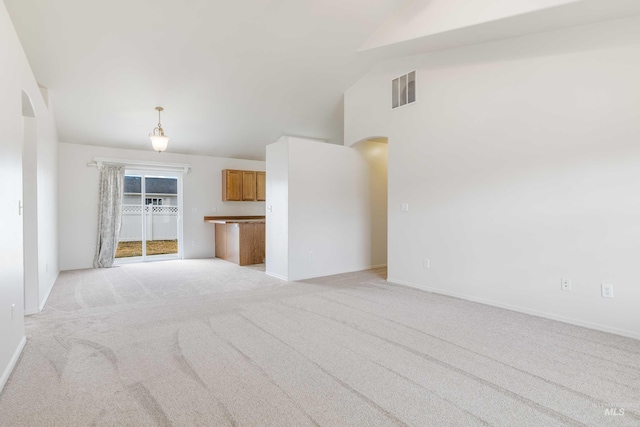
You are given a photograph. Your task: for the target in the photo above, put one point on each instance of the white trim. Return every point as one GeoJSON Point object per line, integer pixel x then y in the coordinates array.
{"type": "Point", "coordinates": [377, 266]}
{"type": "Point", "coordinates": [143, 214]}
{"type": "Point", "coordinates": [334, 273]}
{"type": "Point", "coordinates": [277, 276]}
{"type": "Point", "coordinates": [551, 316]}
{"type": "Point", "coordinates": [151, 258]}
{"type": "Point", "coordinates": [46, 298]}
{"type": "Point", "coordinates": [180, 216]}
{"type": "Point", "coordinates": [127, 260]}
{"type": "Point", "coordinates": [371, 267]}
{"type": "Point", "coordinates": [12, 363]}
{"type": "Point", "coordinates": [141, 165]}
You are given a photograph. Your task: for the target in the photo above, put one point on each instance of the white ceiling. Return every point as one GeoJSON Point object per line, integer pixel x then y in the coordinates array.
{"type": "Point", "coordinates": [429, 25]}
{"type": "Point", "coordinates": [232, 76]}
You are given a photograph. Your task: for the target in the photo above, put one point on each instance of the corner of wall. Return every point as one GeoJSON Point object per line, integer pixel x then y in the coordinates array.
{"type": "Point", "coordinates": [277, 209]}
{"type": "Point", "coordinates": [12, 363]}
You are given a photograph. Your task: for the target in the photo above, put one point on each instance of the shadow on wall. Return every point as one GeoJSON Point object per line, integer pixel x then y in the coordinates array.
{"type": "Point", "coordinates": [375, 151]}
{"type": "Point", "coordinates": [30, 202]}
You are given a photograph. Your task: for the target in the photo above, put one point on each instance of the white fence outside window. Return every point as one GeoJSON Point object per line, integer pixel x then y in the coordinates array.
{"type": "Point", "coordinates": [162, 222]}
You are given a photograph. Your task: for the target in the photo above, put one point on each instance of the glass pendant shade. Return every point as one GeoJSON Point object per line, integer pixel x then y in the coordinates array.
{"type": "Point", "coordinates": [159, 142]}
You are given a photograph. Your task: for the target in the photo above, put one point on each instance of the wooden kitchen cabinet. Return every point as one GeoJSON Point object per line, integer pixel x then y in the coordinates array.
{"type": "Point", "coordinates": [242, 243]}
{"type": "Point", "coordinates": [261, 186]}
{"type": "Point", "coordinates": [221, 241]}
{"type": "Point", "coordinates": [231, 185]}
{"type": "Point", "coordinates": [246, 186]}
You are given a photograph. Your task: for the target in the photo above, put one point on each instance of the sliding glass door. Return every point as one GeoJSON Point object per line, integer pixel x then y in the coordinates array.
{"type": "Point", "coordinates": [151, 217]}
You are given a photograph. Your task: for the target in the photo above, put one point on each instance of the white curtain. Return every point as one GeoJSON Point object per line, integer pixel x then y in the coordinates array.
{"type": "Point", "coordinates": [109, 215]}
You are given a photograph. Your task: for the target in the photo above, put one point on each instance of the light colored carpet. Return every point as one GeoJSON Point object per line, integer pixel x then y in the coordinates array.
{"type": "Point", "coordinates": [204, 342]}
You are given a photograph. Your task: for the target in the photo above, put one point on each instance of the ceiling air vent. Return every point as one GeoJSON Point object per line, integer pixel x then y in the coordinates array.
{"type": "Point", "coordinates": [403, 90]}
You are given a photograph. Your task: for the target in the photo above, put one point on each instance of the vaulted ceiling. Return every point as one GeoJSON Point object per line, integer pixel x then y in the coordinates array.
{"type": "Point", "coordinates": [234, 76]}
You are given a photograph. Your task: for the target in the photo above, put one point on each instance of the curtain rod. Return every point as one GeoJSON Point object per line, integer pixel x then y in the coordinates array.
{"type": "Point", "coordinates": [140, 164]}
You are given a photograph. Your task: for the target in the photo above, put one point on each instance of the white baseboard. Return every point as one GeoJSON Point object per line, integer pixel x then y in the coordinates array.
{"type": "Point", "coordinates": [46, 297]}
{"type": "Point", "coordinates": [551, 316]}
{"type": "Point", "coordinates": [377, 266]}
{"type": "Point", "coordinates": [44, 300]}
{"type": "Point", "coordinates": [336, 272]}
{"type": "Point", "coordinates": [370, 267]}
{"type": "Point", "coordinates": [277, 276]}
{"type": "Point", "coordinates": [12, 363]}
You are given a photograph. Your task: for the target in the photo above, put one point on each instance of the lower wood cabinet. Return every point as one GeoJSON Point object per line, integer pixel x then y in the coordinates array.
{"type": "Point", "coordinates": [242, 243]}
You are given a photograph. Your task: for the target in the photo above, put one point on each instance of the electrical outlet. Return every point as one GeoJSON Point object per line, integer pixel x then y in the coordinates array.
{"type": "Point", "coordinates": [311, 255]}
{"type": "Point", "coordinates": [607, 290]}
{"type": "Point", "coordinates": [404, 207]}
{"type": "Point", "coordinates": [269, 208]}
{"type": "Point", "coordinates": [565, 285]}
{"type": "Point", "coordinates": [426, 263]}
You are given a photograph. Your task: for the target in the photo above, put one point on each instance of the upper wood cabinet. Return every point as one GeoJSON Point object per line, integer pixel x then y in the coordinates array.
{"type": "Point", "coordinates": [245, 186]}
{"type": "Point", "coordinates": [231, 185]}
{"type": "Point", "coordinates": [248, 185]}
{"type": "Point", "coordinates": [261, 186]}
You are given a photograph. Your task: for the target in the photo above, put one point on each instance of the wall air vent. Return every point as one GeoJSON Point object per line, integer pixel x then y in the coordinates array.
{"type": "Point", "coordinates": [403, 90]}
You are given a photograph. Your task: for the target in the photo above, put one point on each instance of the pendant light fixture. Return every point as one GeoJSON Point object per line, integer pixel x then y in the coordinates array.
{"type": "Point", "coordinates": [159, 140]}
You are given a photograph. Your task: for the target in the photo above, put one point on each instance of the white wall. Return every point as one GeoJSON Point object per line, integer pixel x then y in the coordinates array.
{"type": "Point", "coordinates": [277, 224]}
{"type": "Point", "coordinates": [520, 163]}
{"type": "Point", "coordinates": [30, 213]}
{"type": "Point", "coordinates": [328, 204]}
{"type": "Point", "coordinates": [48, 261]}
{"type": "Point", "coordinates": [15, 77]}
{"type": "Point", "coordinates": [202, 189]}
{"type": "Point", "coordinates": [39, 173]}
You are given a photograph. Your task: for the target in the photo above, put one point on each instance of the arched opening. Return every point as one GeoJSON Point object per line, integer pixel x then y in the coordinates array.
{"type": "Point", "coordinates": [30, 205]}
{"type": "Point", "coordinates": [27, 106]}
{"type": "Point", "coordinates": [375, 151]}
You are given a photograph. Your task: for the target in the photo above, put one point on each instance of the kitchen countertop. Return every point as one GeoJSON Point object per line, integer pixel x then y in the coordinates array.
{"type": "Point", "coordinates": [235, 219]}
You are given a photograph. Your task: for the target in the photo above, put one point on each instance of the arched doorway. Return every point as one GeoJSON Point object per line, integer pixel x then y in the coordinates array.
{"type": "Point", "coordinates": [375, 151]}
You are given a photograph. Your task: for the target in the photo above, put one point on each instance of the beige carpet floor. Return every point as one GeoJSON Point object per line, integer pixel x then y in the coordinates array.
{"type": "Point", "coordinates": [204, 342]}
